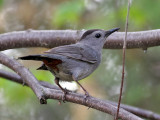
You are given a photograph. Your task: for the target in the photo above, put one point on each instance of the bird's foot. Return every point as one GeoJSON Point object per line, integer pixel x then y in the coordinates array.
{"type": "Point", "coordinates": [65, 92]}
{"type": "Point", "coordinates": [86, 96]}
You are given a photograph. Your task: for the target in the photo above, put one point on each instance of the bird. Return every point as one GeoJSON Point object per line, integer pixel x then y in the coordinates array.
{"type": "Point", "coordinates": [76, 61]}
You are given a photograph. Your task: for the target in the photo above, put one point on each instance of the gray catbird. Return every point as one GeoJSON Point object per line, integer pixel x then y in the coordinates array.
{"type": "Point", "coordinates": [74, 62]}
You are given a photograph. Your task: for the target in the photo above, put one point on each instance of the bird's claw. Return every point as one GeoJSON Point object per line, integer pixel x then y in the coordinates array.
{"type": "Point", "coordinates": [86, 96]}
{"type": "Point", "coordinates": [65, 91]}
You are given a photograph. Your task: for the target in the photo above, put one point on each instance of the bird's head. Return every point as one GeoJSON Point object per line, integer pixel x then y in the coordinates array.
{"type": "Point", "coordinates": [96, 37]}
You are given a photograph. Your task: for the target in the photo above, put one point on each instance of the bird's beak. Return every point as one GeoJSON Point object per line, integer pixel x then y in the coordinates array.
{"type": "Point", "coordinates": [111, 31]}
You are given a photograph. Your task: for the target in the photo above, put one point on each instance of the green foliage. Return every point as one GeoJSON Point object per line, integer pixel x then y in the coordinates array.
{"type": "Point", "coordinates": [1, 2]}
{"type": "Point", "coordinates": [15, 92]}
{"type": "Point", "coordinates": [68, 13]}
{"type": "Point", "coordinates": [44, 75]}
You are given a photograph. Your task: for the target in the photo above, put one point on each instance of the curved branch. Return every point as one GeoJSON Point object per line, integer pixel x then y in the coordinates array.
{"type": "Point", "coordinates": [137, 111]}
{"type": "Point", "coordinates": [44, 93]}
{"type": "Point", "coordinates": [25, 74]}
{"type": "Point", "coordinates": [53, 38]}
{"type": "Point", "coordinates": [91, 103]}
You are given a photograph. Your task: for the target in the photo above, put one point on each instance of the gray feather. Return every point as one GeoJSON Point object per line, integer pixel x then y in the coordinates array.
{"type": "Point", "coordinates": [78, 52]}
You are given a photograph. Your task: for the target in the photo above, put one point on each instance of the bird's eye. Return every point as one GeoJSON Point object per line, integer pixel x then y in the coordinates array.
{"type": "Point", "coordinates": [98, 35]}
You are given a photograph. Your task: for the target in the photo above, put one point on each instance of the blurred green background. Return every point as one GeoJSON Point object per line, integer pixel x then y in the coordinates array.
{"type": "Point", "coordinates": [142, 83]}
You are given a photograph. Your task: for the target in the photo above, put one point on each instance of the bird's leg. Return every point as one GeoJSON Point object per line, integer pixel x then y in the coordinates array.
{"type": "Point", "coordinates": [64, 90]}
{"type": "Point", "coordinates": [86, 93]}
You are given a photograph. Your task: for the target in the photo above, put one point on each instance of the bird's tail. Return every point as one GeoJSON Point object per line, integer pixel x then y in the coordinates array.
{"type": "Point", "coordinates": [42, 67]}
{"type": "Point", "coordinates": [33, 57]}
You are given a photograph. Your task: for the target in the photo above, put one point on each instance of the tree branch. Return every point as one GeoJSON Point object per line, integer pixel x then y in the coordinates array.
{"type": "Point", "coordinates": [140, 112]}
{"type": "Point", "coordinates": [53, 38]}
{"type": "Point", "coordinates": [25, 74]}
{"type": "Point", "coordinates": [44, 93]}
{"type": "Point", "coordinates": [137, 111]}
{"type": "Point", "coordinates": [91, 102]}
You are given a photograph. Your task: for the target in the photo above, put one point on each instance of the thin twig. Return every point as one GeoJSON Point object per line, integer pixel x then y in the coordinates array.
{"type": "Point", "coordinates": [124, 54]}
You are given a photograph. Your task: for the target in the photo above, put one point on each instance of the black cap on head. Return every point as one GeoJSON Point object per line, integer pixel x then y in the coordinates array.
{"type": "Point", "coordinates": [88, 32]}
{"type": "Point", "coordinates": [108, 32]}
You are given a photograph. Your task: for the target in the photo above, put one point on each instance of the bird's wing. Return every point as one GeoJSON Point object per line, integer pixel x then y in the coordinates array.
{"type": "Point", "coordinates": [84, 53]}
